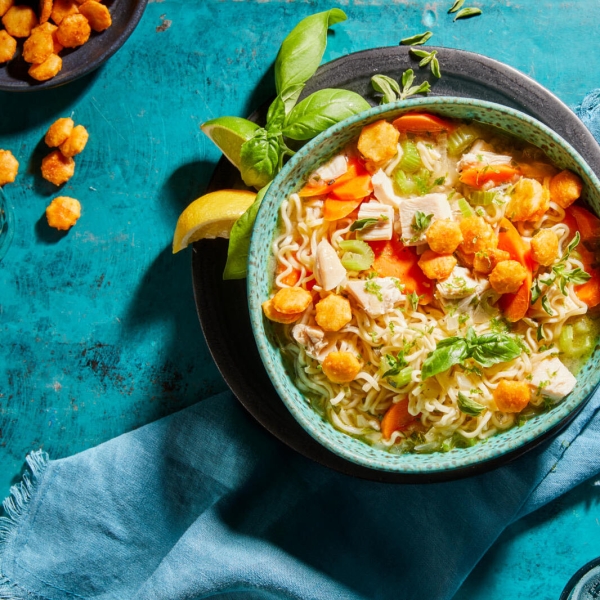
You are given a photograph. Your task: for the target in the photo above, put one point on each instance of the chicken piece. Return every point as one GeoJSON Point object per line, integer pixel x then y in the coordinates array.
{"type": "Point", "coordinates": [63, 212]}
{"type": "Point", "coordinates": [383, 229]}
{"type": "Point", "coordinates": [341, 367]}
{"type": "Point", "coordinates": [378, 142]}
{"type": "Point", "coordinates": [376, 296]}
{"type": "Point", "coordinates": [383, 189]}
{"type": "Point", "coordinates": [274, 315]}
{"type": "Point", "coordinates": [482, 159]}
{"type": "Point", "coordinates": [507, 276]}
{"type": "Point", "coordinates": [313, 340]}
{"type": "Point", "coordinates": [56, 168]}
{"type": "Point", "coordinates": [485, 261]}
{"type": "Point", "coordinates": [329, 271]}
{"type": "Point", "coordinates": [330, 171]}
{"type": "Point", "coordinates": [9, 167]}
{"type": "Point", "coordinates": [430, 204]}
{"type": "Point", "coordinates": [544, 247]}
{"type": "Point", "coordinates": [565, 188]}
{"type": "Point", "coordinates": [292, 300]}
{"type": "Point", "coordinates": [459, 284]}
{"type": "Point", "coordinates": [59, 132]}
{"type": "Point", "coordinates": [63, 8]}
{"type": "Point", "coordinates": [5, 5]}
{"type": "Point", "coordinates": [333, 312]}
{"type": "Point", "coordinates": [528, 202]}
{"type": "Point", "coordinates": [97, 15]}
{"type": "Point", "coordinates": [512, 396]}
{"type": "Point", "coordinates": [8, 46]}
{"type": "Point", "coordinates": [444, 236]}
{"type": "Point", "coordinates": [552, 379]}
{"type": "Point", "coordinates": [73, 31]}
{"type": "Point", "coordinates": [478, 235]}
{"type": "Point", "coordinates": [76, 142]}
{"type": "Point", "coordinates": [19, 21]}
{"type": "Point", "coordinates": [38, 47]}
{"type": "Point", "coordinates": [437, 266]}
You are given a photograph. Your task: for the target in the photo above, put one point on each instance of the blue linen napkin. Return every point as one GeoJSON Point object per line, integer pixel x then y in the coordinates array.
{"type": "Point", "coordinates": [206, 503]}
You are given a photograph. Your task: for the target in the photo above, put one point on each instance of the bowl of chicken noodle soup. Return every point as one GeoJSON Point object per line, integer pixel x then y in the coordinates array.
{"type": "Point", "coordinates": [423, 286]}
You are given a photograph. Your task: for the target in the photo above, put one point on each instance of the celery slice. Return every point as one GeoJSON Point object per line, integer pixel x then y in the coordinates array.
{"type": "Point", "coordinates": [465, 208]}
{"type": "Point", "coordinates": [574, 346]}
{"type": "Point", "coordinates": [358, 255]}
{"type": "Point", "coordinates": [411, 159]}
{"type": "Point", "coordinates": [404, 184]}
{"type": "Point", "coordinates": [403, 378]}
{"type": "Point", "coordinates": [480, 198]}
{"type": "Point", "coordinates": [461, 138]}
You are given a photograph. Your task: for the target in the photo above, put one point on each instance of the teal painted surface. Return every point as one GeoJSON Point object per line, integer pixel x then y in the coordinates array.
{"type": "Point", "coordinates": [98, 329]}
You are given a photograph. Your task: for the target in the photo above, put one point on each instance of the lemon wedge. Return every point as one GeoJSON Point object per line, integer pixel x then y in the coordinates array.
{"type": "Point", "coordinates": [211, 216]}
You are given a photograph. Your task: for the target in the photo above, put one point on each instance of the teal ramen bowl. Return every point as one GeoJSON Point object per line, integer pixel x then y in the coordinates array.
{"type": "Point", "coordinates": [261, 275]}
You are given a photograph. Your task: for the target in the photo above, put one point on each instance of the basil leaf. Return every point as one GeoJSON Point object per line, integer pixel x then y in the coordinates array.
{"type": "Point", "coordinates": [416, 40]}
{"type": "Point", "coordinates": [276, 116]}
{"type": "Point", "coordinates": [469, 406]}
{"type": "Point", "coordinates": [239, 240]}
{"type": "Point", "coordinates": [577, 276]}
{"type": "Point", "coordinates": [444, 357]}
{"type": "Point", "coordinates": [492, 348]}
{"type": "Point", "coordinates": [407, 78]}
{"type": "Point", "coordinates": [467, 13]}
{"type": "Point", "coordinates": [546, 305]}
{"type": "Point", "coordinates": [363, 223]}
{"type": "Point", "coordinates": [301, 53]}
{"type": "Point", "coordinates": [424, 88]}
{"type": "Point", "coordinates": [574, 243]}
{"type": "Point", "coordinates": [320, 111]}
{"type": "Point", "coordinates": [456, 6]}
{"type": "Point", "coordinates": [435, 68]}
{"type": "Point", "coordinates": [426, 56]}
{"type": "Point", "coordinates": [535, 291]}
{"type": "Point", "coordinates": [387, 86]}
{"type": "Point", "coordinates": [260, 158]}
{"type": "Point", "coordinates": [421, 221]}
{"type": "Point", "coordinates": [540, 333]}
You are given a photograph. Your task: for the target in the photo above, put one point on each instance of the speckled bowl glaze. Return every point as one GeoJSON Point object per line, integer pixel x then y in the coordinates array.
{"type": "Point", "coordinates": [260, 282]}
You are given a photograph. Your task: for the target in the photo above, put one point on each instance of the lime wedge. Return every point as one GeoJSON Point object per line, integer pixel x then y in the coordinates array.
{"type": "Point", "coordinates": [229, 133]}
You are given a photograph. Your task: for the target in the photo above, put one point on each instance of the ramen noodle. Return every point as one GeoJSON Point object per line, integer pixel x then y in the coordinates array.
{"type": "Point", "coordinates": [433, 284]}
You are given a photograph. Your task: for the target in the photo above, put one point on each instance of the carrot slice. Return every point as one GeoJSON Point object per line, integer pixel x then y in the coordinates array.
{"type": "Point", "coordinates": [423, 123]}
{"type": "Point", "coordinates": [334, 210]}
{"type": "Point", "coordinates": [354, 189]}
{"type": "Point", "coordinates": [588, 225]}
{"type": "Point", "coordinates": [393, 259]}
{"type": "Point", "coordinates": [515, 306]}
{"type": "Point", "coordinates": [589, 292]}
{"type": "Point", "coordinates": [355, 168]}
{"type": "Point", "coordinates": [396, 418]}
{"type": "Point", "coordinates": [477, 177]}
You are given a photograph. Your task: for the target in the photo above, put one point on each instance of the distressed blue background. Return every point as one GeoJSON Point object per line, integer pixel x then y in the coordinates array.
{"type": "Point", "coordinates": [99, 332]}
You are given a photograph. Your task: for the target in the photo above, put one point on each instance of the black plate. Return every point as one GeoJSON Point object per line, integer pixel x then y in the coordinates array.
{"type": "Point", "coordinates": [222, 305]}
{"type": "Point", "coordinates": [77, 62]}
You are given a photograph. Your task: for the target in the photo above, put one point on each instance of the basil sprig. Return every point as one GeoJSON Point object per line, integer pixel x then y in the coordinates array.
{"type": "Point", "coordinates": [558, 275]}
{"type": "Point", "coordinates": [487, 350]}
{"type": "Point", "coordinates": [392, 91]}
{"type": "Point", "coordinates": [299, 56]}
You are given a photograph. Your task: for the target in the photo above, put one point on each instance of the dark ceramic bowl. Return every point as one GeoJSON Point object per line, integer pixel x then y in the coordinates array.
{"type": "Point", "coordinates": [78, 62]}
{"type": "Point", "coordinates": [260, 284]}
